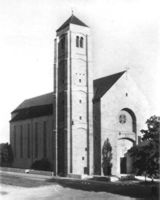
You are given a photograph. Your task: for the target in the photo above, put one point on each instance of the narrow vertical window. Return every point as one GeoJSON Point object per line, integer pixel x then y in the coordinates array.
{"type": "Point", "coordinates": [63, 43]}
{"type": "Point", "coordinates": [44, 139]}
{"type": "Point", "coordinates": [77, 41]}
{"type": "Point", "coordinates": [81, 42]}
{"type": "Point", "coordinates": [14, 138]}
{"type": "Point", "coordinates": [21, 141]}
{"type": "Point", "coordinates": [36, 140]}
{"type": "Point", "coordinates": [28, 140]}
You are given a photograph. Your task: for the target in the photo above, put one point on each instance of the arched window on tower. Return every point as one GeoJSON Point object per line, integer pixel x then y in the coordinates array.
{"type": "Point", "coordinates": [81, 42]}
{"type": "Point", "coordinates": [77, 41]}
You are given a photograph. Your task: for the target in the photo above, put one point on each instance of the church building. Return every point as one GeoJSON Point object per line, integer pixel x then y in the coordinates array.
{"type": "Point", "coordinates": [70, 125]}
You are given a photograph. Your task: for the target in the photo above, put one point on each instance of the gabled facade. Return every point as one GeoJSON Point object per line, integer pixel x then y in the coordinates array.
{"type": "Point", "coordinates": [120, 110]}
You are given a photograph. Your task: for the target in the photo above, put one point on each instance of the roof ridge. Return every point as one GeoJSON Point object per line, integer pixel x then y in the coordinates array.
{"type": "Point", "coordinates": [39, 96]}
{"type": "Point", "coordinates": [121, 72]}
{"type": "Point", "coordinates": [43, 99]}
{"type": "Point", "coordinates": [102, 85]}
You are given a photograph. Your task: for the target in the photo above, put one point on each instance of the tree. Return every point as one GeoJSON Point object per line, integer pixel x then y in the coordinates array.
{"type": "Point", "coordinates": [6, 155]}
{"type": "Point", "coordinates": [146, 154]}
{"type": "Point", "coordinates": [107, 157]}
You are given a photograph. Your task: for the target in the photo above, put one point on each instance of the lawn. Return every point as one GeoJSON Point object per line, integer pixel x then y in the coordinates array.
{"type": "Point", "coordinates": [126, 189]}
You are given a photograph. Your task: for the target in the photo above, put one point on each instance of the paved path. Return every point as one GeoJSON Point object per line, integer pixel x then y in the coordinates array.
{"type": "Point", "coordinates": [55, 192]}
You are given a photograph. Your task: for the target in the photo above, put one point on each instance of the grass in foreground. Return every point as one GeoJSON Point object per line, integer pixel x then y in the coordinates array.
{"type": "Point", "coordinates": [137, 189]}
{"type": "Point", "coordinates": [127, 188]}
{"type": "Point", "coordinates": [22, 181]}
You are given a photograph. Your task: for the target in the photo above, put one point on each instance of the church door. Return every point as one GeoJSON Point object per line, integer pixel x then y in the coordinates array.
{"type": "Point", "coordinates": [123, 165]}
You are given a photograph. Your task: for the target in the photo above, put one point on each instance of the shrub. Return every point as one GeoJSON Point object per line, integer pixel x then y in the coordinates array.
{"type": "Point", "coordinates": [107, 157]}
{"type": "Point", "coordinates": [146, 154]}
{"type": "Point", "coordinates": [42, 164]}
{"type": "Point", "coordinates": [6, 155]}
{"type": "Point", "coordinates": [127, 178]}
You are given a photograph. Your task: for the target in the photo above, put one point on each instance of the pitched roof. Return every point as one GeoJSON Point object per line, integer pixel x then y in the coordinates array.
{"type": "Point", "coordinates": [72, 20]}
{"type": "Point", "coordinates": [43, 105]}
{"type": "Point", "coordinates": [102, 85]}
{"type": "Point", "coordinates": [33, 112]}
{"type": "Point", "coordinates": [44, 99]}
{"type": "Point", "coordinates": [34, 107]}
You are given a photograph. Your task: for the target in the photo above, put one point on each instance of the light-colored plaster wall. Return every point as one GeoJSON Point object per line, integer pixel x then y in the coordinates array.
{"type": "Point", "coordinates": [123, 94]}
{"type": "Point", "coordinates": [82, 92]}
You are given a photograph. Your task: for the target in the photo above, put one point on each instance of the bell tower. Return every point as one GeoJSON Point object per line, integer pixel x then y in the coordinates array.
{"type": "Point", "coordinates": [73, 92]}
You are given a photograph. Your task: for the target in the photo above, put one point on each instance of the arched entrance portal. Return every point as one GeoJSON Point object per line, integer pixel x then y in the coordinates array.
{"type": "Point", "coordinates": [126, 139]}
{"type": "Point", "coordinates": [124, 159]}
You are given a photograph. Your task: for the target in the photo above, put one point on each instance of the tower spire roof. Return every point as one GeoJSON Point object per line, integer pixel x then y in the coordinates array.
{"type": "Point", "coordinates": [72, 20]}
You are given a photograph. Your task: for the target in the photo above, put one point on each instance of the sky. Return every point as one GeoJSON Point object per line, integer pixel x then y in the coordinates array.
{"type": "Point", "coordinates": [125, 34]}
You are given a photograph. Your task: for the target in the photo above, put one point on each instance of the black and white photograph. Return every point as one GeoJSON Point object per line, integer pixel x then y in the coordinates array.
{"type": "Point", "coordinates": [80, 100]}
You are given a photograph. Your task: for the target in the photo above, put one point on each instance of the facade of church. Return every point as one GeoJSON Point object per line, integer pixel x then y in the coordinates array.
{"type": "Point", "coordinates": [70, 126]}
